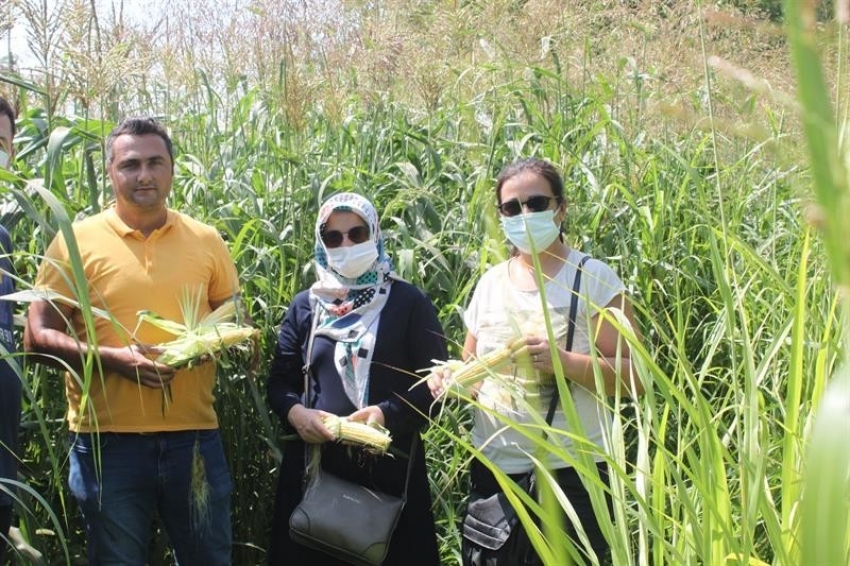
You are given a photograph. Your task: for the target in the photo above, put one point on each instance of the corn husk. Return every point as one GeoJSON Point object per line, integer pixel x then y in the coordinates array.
{"type": "Point", "coordinates": [462, 376]}
{"type": "Point", "coordinates": [372, 437]}
{"type": "Point", "coordinates": [196, 339]}
{"type": "Point", "coordinates": [190, 348]}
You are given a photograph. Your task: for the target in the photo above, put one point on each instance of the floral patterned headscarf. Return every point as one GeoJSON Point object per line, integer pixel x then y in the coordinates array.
{"type": "Point", "coordinates": [350, 309]}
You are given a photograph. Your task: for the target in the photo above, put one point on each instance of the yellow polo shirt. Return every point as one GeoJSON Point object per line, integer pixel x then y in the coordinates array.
{"type": "Point", "coordinates": [125, 273]}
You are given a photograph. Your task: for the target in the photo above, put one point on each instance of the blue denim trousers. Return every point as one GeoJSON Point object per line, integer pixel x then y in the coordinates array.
{"type": "Point", "coordinates": [122, 481]}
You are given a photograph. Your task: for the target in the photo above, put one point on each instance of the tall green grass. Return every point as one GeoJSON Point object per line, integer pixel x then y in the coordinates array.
{"type": "Point", "coordinates": [733, 453]}
{"type": "Point", "coordinates": [824, 527]}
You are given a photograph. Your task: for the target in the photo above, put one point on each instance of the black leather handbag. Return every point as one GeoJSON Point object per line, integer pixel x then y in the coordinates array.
{"type": "Point", "coordinates": [347, 520]}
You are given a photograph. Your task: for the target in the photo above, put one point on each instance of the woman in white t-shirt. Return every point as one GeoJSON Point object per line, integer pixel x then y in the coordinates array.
{"type": "Point", "coordinates": [507, 305]}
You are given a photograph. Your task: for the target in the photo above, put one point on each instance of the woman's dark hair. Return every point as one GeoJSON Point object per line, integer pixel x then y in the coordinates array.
{"type": "Point", "coordinates": [139, 127]}
{"type": "Point", "coordinates": [531, 165]}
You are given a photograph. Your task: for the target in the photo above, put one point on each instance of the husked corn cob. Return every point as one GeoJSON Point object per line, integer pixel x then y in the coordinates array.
{"type": "Point", "coordinates": [204, 340]}
{"type": "Point", "coordinates": [212, 334]}
{"type": "Point", "coordinates": [372, 437]}
{"type": "Point", "coordinates": [463, 375]}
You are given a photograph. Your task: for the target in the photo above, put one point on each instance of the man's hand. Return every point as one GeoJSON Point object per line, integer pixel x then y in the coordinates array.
{"type": "Point", "coordinates": [136, 363]}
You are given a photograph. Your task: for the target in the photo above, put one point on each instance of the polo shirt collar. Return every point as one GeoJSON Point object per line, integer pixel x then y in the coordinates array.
{"type": "Point", "coordinates": [123, 230]}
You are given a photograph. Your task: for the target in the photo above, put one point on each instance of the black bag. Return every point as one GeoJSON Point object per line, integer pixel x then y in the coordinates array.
{"type": "Point", "coordinates": [345, 519]}
{"type": "Point", "coordinates": [492, 532]}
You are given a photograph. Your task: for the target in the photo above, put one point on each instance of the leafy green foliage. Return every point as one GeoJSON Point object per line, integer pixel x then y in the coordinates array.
{"type": "Point", "coordinates": [742, 326]}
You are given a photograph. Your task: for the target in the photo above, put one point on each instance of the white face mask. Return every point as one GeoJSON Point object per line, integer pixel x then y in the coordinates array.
{"type": "Point", "coordinates": [4, 159]}
{"type": "Point", "coordinates": [541, 229]}
{"type": "Point", "coordinates": [353, 261]}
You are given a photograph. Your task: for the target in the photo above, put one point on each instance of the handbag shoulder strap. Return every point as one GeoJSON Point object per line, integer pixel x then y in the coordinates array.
{"type": "Point", "coordinates": [305, 369]}
{"type": "Point", "coordinates": [314, 320]}
{"type": "Point", "coordinates": [571, 329]}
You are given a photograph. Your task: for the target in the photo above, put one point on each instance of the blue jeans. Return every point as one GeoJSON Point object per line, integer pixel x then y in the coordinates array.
{"type": "Point", "coordinates": [121, 481]}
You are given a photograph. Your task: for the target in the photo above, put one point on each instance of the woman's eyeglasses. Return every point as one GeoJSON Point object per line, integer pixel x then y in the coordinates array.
{"type": "Point", "coordinates": [334, 238]}
{"type": "Point", "coordinates": [537, 203]}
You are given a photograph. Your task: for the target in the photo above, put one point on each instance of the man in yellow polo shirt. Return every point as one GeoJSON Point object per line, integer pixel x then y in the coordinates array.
{"type": "Point", "coordinates": [136, 424]}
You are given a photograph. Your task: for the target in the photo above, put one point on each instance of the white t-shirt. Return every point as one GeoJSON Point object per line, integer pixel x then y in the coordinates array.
{"type": "Point", "coordinates": [498, 313]}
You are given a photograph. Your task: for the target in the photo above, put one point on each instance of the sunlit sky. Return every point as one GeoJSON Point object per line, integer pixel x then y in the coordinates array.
{"type": "Point", "coordinates": [16, 41]}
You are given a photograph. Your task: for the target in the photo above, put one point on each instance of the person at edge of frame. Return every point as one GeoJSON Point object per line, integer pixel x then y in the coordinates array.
{"type": "Point", "coordinates": [10, 383]}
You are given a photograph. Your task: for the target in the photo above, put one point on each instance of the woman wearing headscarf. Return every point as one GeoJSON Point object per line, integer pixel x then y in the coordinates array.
{"type": "Point", "coordinates": [372, 332]}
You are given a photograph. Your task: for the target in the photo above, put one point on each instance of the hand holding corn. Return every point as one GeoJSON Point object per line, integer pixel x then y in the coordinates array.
{"type": "Point", "coordinates": [457, 378]}
{"type": "Point", "coordinates": [310, 424]}
{"type": "Point", "coordinates": [370, 415]}
{"type": "Point", "coordinates": [440, 381]}
{"type": "Point", "coordinates": [539, 354]}
{"type": "Point", "coordinates": [371, 436]}
{"type": "Point", "coordinates": [197, 342]}
{"type": "Point", "coordinates": [315, 427]}
{"type": "Point", "coordinates": [134, 363]}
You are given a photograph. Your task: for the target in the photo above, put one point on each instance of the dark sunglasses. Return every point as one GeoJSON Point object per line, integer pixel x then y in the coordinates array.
{"type": "Point", "coordinates": [537, 203]}
{"type": "Point", "coordinates": [334, 238]}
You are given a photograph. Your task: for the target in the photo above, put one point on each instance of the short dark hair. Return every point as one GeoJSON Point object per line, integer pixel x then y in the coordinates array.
{"type": "Point", "coordinates": [8, 110]}
{"type": "Point", "coordinates": [138, 126]}
{"type": "Point", "coordinates": [532, 165]}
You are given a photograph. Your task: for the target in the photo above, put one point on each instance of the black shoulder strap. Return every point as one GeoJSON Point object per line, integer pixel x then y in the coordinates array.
{"type": "Point", "coordinates": [314, 319]}
{"type": "Point", "coordinates": [571, 330]}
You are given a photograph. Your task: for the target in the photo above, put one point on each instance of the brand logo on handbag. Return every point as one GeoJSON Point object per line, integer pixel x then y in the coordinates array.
{"type": "Point", "coordinates": [351, 498]}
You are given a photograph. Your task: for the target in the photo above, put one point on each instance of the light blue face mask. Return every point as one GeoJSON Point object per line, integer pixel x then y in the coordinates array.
{"type": "Point", "coordinates": [537, 227]}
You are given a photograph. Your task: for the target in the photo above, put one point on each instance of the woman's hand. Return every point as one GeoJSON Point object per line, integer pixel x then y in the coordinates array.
{"type": "Point", "coordinates": [438, 381]}
{"type": "Point", "coordinates": [536, 351]}
{"type": "Point", "coordinates": [368, 415]}
{"type": "Point", "coordinates": [441, 386]}
{"type": "Point", "coordinates": [309, 424]}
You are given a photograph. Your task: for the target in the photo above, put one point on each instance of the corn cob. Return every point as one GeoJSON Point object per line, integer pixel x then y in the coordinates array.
{"type": "Point", "coordinates": [463, 375]}
{"type": "Point", "coordinates": [372, 437]}
{"type": "Point", "coordinates": [212, 334]}
{"type": "Point", "coordinates": [204, 340]}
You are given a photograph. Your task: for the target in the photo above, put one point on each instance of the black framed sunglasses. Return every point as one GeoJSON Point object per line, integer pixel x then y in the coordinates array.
{"type": "Point", "coordinates": [334, 238]}
{"type": "Point", "coordinates": [537, 203]}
